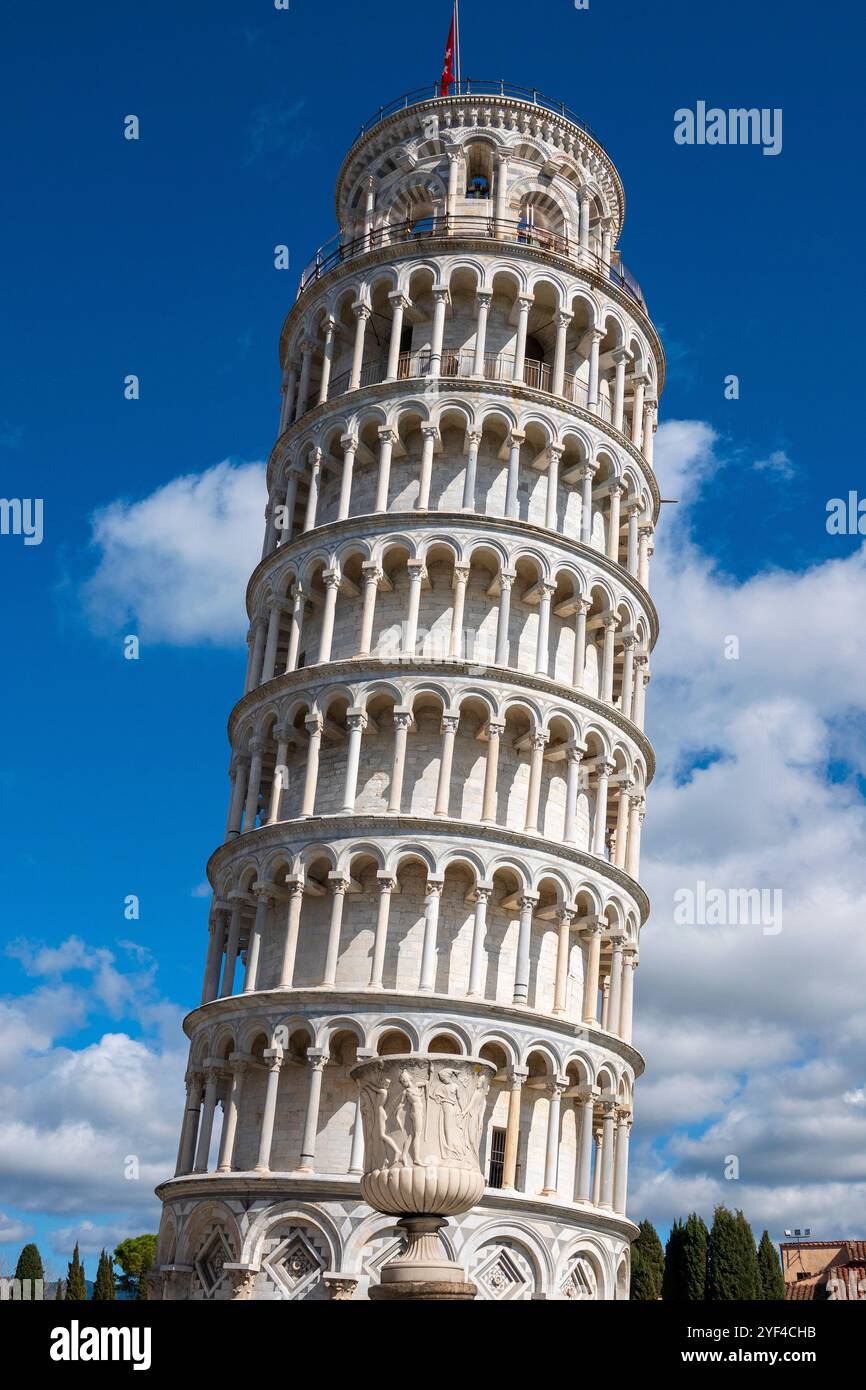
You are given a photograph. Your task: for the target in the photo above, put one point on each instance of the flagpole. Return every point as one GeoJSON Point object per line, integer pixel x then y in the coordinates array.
{"type": "Point", "coordinates": [457, 38]}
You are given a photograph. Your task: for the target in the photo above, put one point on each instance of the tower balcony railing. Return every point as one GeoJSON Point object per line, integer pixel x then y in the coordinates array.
{"type": "Point", "coordinates": [511, 231]}
{"type": "Point", "coordinates": [479, 87]}
{"type": "Point", "coordinates": [460, 364]}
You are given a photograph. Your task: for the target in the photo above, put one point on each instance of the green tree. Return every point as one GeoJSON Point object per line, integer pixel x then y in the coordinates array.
{"type": "Point", "coordinates": [672, 1280]}
{"type": "Point", "coordinates": [29, 1266]}
{"type": "Point", "coordinates": [770, 1270]}
{"type": "Point", "coordinates": [136, 1256]}
{"type": "Point", "coordinates": [103, 1289]}
{"type": "Point", "coordinates": [647, 1264]}
{"type": "Point", "coordinates": [733, 1259]}
{"type": "Point", "coordinates": [58, 1291]}
{"type": "Point", "coordinates": [696, 1244]}
{"type": "Point", "coordinates": [76, 1286]}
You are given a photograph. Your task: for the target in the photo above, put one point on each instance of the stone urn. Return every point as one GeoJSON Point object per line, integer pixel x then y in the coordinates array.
{"type": "Point", "coordinates": [423, 1119]}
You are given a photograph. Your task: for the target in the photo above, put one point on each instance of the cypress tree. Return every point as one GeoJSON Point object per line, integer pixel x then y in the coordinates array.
{"type": "Point", "coordinates": [672, 1281]}
{"type": "Point", "coordinates": [770, 1270]}
{"type": "Point", "coordinates": [103, 1289]}
{"type": "Point", "coordinates": [29, 1266]}
{"type": "Point", "coordinates": [58, 1291]}
{"type": "Point", "coordinates": [733, 1262]}
{"type": "Point", "coordinates": [76, 1287]}
{"type": "Point", "coordinates": [696, 1241]}
{"type": "Point", "coordinates": [647, 1264]}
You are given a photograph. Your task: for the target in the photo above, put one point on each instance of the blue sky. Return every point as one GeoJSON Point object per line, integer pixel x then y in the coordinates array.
{"type": "Point", "coordinates": [156, 258]}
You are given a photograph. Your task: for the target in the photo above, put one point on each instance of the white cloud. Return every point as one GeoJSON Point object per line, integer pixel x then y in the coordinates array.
{"type": "Point", "coordinates": [13, 1231]}
{"type": "Point", "coordinates": [174, 566]}
{"type": "Point", "coordinates": [754, 1042]}
{"type": "Point", "coordinates": [776, 462]}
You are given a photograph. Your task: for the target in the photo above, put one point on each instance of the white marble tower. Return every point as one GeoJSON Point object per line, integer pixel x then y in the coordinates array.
{"type": "Point", "coordinates": [438, 768]}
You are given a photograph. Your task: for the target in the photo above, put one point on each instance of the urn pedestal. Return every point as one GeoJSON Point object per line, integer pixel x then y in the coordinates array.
{"type": "Point", "coordinates": [423, 1118]}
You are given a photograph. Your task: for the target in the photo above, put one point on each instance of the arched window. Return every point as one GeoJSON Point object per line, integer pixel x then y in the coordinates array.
{"type": "Point", "coordinates": [479, 171]}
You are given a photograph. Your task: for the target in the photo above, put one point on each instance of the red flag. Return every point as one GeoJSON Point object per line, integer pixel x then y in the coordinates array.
{"type": "Point", "coordinates": [446, 81]}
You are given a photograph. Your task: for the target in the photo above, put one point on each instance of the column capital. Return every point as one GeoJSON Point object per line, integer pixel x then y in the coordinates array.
{"type": "Point", "coordinates": [620, 355]}
{"type": "Point", "coordinates": [450, 723]}
{"type": "Point", "coordinates": [314, 724]}
{"type": "Point", "coordinates": [516, 438]}
{"type": "Point", "coordinates": [441, 294]}
{"type": "Point", "coordinates": [433, 887]}
{"type": "Point", "coordinates": [540, 739]}
{"type": "Point", "coordinates": [362, 311]}
{"type": "Point", "coordinates": [529, 900]}
{"type": "Point", "coordinates": [387, 435]}
{"type": "Point", "coordinates": [525, 303]}
{"type": "Point", "coordinates": [317, 1057]}
{"type": "Point", "coordinates": [562, 318]}
{"type": "Point", "coordinates": [387, 882]}
{"type": "Point", "coordinates": [461, 574]}
{"type": "Point", "coordinates": [399, 300]}
{"type": "Point", "coordinates": [356, 719]}
{"type": "Point", "coordinates": [556, 1085]}
{"type": "Point", "coordinates": [348, 441]}
{"type": "Point", "coordinates": [482, 895]}
{"type": "Point", "coordinates": [264, 890]}
{"type": "Point", "coordinates": [338, 883]}
{"type": "Point", "coordinates": [294, 886]}
{"type": "Point", "coordinates": [516, 1077]}
{"type": "Point", "coordinates": [483, 298]}
{"type": "Point", "coordinates": [331, 578]}
{"type": "Point", "coordinates": [403, 718]}
{"type": "Point", "coordinates": [567, 916]}
{"type": "Point", "coordinates": [495, 728]}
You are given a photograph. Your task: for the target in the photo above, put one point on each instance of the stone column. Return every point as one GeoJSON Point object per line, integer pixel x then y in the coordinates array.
{"type": "Point", "coordinates": [356, 723]}
{"type": "Point", "coordinates": [587, 473]}
{"type": "Point", "coordinates": [592, 393]}
{"type": "Point", "coordinates": [516, 1078]}
{"type": "Point", "coordinates": [440, 304]}
{"type": "Point", "coordinates": [387, 885]}
{"type": "Point", "coordinates": [257, 748]}
{"type": "Point", "coordinates": [603, 771]}
{"type": "Point", "coordinates": [450, 725]}
{"type": "Point", "coordinates": [628, 643]}
{"type": "Point", "coordinates": [206, 1127]}
{"type": "Point", "coordinates": [584, 1157]}
{"type": "Point", "coordinates": [281, 772]}
{"type": "Point", "coordinates": [287, 396]}
{"type": "Point", "coordinates": [372, 578]}
{"type": "Point", "coordinates": [270, 660]}
{"type": "Point", "coordinates": [479, 928]}
{"type": "Point", "coordinates": [550, 508]}
{"type": "Point", "coordinates": [609, 623]}
{"type": "Point", "coordinates": [614, 1002]}
{"type": "Point", "coordinates": [328, 358]}
{"type": "Point", "coordinates": [473, 439]}
{"type": "Point", "coordinates": [399, 303]}
{"type": "Point", "coordinates": [574, 755]}
{"type": "Point", "coordinates": [290, 503]}
{"type": "Point", "coordinates": [629, 965]}
{"type": "Point", "coordinates": [431, 926]}
{"type": "Point", "coordinates": [461, 578]}
{"type": "Point", "coordinates": [483, 299]}
{"type": "Point", "coordinates": [240, 775]}
{"type": "Point", "coordinates": [542, 660]}
{"type": "Point", "coordinates": [620, 1184]}
{"type": "Point", "coordinates": [290, 944]}
{"type": "Point", "coordinates": [417, 576]}
{"type": "Point", "coordinates": [590, 979]}
{"type": "Point", "coordinates": [189, 1129]}
{"type": "Point", "coordinates": [512, 488]}
{"type": "Point", "coordinates": [524, 303]}
{"type": "Point", "coordinates": [237, 1067]}
{"type": "Point", "coordinates": [263, 894]}
{"type": "Point", "coordinates": [621, 822]}
{"type": "Point", "coordinates": [596, 1174]}
{"type": "Point", "coordinates": [306, 367]}
{"type": "Point", "coordinates": [402, 724]}
{"type": "Point", "coordinates": [387, 440]}
{"type": "Point", "coordinates": [273, 1057]}
{"type": "Point", "coordinates": [362, 313]}
{"type": "Point", "coordinates": [313, 494]}
{"type": "Point", "coordinates": [255, 666]}
{"type": "Point", "coordinates": [642, 677]}
{"type": "Point", "coordinates": [506, 579]}
{"type": "Point", "coordinates": [585, 212]}
{"type": "Point", "coordinates": [635, 818]}
{"type": "Point", "coordinates": [649, 425]}
{"type": "Point", "coordinates": [491, 769]}
{"type": "Point", "coordinates": [562, 320]}
{"type": "Point", "coordinates": [644, 534]}
{"type": "Point", "coordinates": [563, 951]}
{"type": "Point", "coordinates": [313, 724]}
{"type": "Point", "coordinates": [214, 956]}
{"type": "Point", "coordinates": [501, 191]}
{"type": "Point", "coordinates": [349, 445]}
{"type": "Point", "coordinates": [524, 941]}
{"type": "Point", "coordinates": [607, 1143]}
{"type": "Point", "coordinates": [299, 599]}
{"type": "Point", "coordinates": [331, 581]}
{"type": "Point", "coordinates": [579, 666]}
{"type": "Point", "coordinates": [551, 1155]}
{"type": "Point", "coordinates": [533, 795]}
{"type": "Point", "coordinates": [429, 434]}
{"type": "Point", "coordinates": [234, 937]}
{"type": "Point", "coordinates": [616, 493]}
{"type": "Point", "coordinates": [637, 412]}
{"type": "Point", "coordinates": [317, 1061]}
{"type": "Point", "coordinates": [631, 544]}
{"type": "Point", "coordinates": [339, 889]}
{"type": "Point", "coordinates": [620, 358]}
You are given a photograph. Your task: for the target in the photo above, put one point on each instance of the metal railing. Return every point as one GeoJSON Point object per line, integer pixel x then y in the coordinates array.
{"type": "Point", "coordinates": [517, 232]}
{"type": "Point", "coordinates": [460, 363]}
{"type": "Point", "coordinates": [479, 86]}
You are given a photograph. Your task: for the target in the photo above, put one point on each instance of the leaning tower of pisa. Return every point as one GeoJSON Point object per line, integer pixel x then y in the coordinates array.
{"type": "Point", "coordinates": [438, 764]}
